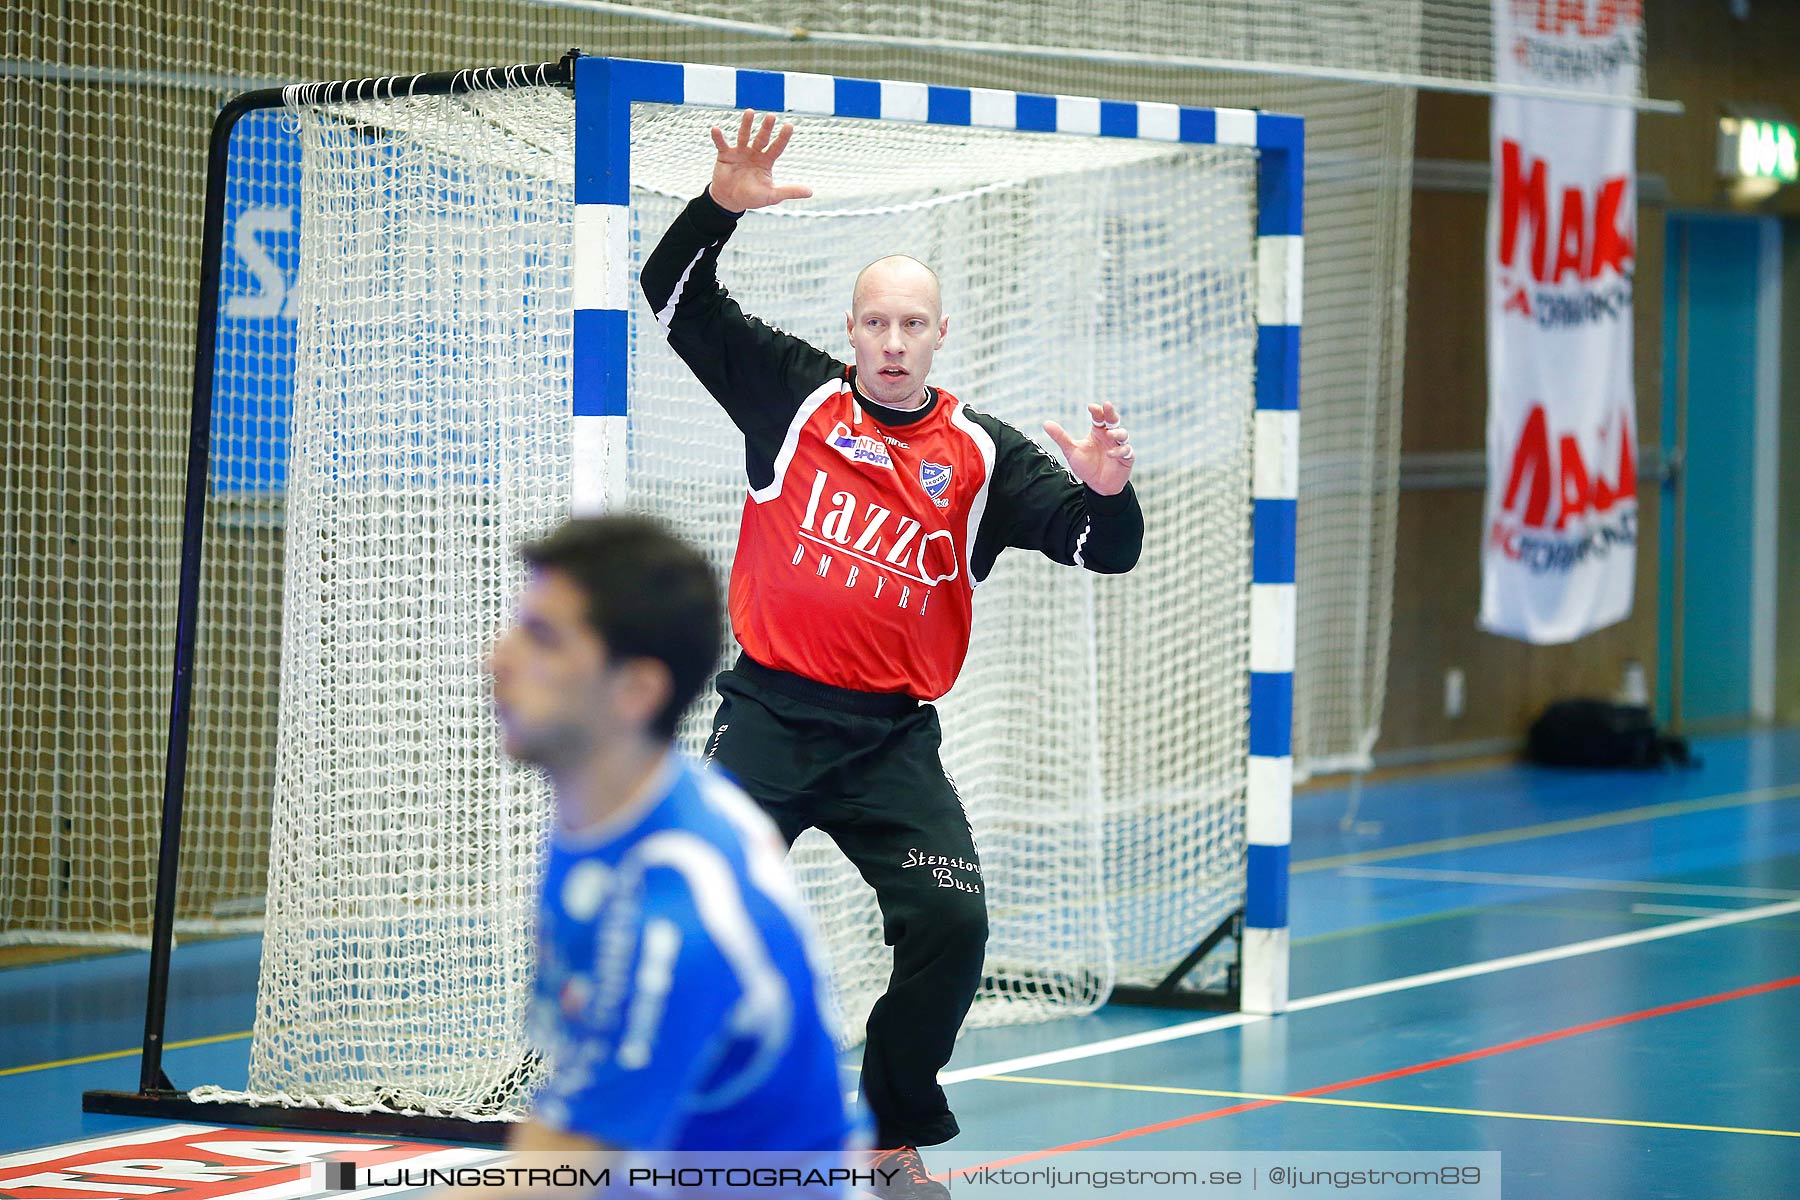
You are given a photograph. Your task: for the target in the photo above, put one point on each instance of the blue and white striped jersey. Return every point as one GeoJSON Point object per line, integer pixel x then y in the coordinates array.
{"type": "Point", "coordinates": [679, 999]}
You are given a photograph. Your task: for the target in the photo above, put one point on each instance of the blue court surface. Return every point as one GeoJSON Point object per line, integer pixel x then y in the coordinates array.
{"type": "Point", "coordinates": [1596, 974]}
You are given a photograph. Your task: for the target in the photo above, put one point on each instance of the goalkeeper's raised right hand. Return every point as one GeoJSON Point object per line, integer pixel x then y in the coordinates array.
{"type": "Point", "coordinates": [744, 174]}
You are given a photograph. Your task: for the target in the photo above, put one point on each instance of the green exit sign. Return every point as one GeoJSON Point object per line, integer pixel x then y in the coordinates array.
{"type": "Point", "coordinates": [1758, 149]}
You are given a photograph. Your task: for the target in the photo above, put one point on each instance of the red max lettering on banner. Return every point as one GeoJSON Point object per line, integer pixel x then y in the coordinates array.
{"type": "Point", "coordinates": [1584, 247]}
{"type": "Point", "coordinates": [1577, 492]}
{"type": "Point", "coordinates": [1556, 17]}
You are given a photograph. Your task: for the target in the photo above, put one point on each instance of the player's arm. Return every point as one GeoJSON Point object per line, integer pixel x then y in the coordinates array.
{"type": "Point", "coordinates": [1085, 516]}
{"type": "Point", "coordinates": [757, 373]}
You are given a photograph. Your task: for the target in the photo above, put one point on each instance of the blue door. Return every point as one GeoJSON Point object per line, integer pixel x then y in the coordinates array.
{"type": "Point", "coordinates": [1714, 374]}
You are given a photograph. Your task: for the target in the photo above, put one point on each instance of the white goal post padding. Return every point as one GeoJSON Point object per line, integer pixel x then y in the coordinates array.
{"type": "Point", "coordinates": [1098, 734]}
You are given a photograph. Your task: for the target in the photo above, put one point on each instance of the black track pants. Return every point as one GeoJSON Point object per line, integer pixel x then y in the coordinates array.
{"type": "Point", "coordinates": [865, 770]}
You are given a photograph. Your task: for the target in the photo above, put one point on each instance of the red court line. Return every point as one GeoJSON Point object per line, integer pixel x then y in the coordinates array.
{"type": "Point", "coordinates": [1540, 1039]}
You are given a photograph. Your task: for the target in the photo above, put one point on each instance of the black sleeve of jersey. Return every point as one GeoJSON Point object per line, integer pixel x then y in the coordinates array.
{"type": "Point", "coordinates": [757, 373]}
{"type": "Point", "coordinates": [1035, 504]}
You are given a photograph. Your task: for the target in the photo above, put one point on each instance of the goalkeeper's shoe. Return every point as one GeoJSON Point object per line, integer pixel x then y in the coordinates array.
{"type": "Point", "coordinates": [900, 1175]}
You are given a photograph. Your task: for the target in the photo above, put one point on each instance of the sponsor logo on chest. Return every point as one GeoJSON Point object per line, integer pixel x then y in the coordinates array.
{"type": "Point", "coordinates": [859, 448]}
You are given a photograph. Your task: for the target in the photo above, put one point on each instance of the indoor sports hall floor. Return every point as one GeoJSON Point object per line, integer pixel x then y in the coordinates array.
{"type": "Point", "coordinates": [1596, 974]}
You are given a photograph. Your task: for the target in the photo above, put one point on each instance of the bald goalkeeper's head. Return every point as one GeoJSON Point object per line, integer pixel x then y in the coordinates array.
{"type": "Point", "coordinates": [896, 323]}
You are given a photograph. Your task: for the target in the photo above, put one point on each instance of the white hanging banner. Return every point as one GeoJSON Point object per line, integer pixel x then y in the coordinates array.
{"type": "Point", "coordinates": [1559, 552]}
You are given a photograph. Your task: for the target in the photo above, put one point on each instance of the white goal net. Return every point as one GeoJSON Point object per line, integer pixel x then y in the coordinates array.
{"type": "Point", "coordinates": [1096, 734]}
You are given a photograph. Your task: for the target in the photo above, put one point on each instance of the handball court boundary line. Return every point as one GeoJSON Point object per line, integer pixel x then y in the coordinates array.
{"type": "Point", "coordinates": [1389, 1106]}
{"type": "Point", "coordinates": [1526, 833]}
{"type": "Point", "coordinates": [1187, 1029]}
{"type": "Point", "coordinates": [1524, 1043]}
{"type": "Point", "coordinates": [1233, 1020]}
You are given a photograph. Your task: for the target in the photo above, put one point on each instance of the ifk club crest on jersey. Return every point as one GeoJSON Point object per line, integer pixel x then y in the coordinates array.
{"type": "Point", "coordinates": [936, 478]}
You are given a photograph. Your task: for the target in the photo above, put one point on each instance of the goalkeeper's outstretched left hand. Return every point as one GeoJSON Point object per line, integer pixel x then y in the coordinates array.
{"type": "Point", "coordinates": [744, 174]}
{"type": "Point", "coordinates": [1103, 458]}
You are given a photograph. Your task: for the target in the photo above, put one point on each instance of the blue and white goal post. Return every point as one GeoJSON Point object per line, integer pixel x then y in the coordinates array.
{"type": "Point", "coordinates": [606, 91]}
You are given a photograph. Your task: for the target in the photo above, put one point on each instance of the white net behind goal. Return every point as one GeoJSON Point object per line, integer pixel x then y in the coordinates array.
{"type": "Point", "coordinates": [1097, 732]}
{"type": "Point", "coordinates": [428, 437]}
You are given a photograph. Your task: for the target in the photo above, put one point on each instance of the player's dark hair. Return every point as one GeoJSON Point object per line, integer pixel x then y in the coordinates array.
{"type": "Point", "coordinates": [649, 595]}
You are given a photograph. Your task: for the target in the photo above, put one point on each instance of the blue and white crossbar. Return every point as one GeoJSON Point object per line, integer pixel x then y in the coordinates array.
{"type": "Point", "coordinates": [605, 90]}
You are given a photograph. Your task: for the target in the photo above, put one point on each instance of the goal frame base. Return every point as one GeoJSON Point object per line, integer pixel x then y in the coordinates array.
{"type": "Point", "coordinates": [1168, 993]}
{"type": "Point", "coordinates": [169, 1103]}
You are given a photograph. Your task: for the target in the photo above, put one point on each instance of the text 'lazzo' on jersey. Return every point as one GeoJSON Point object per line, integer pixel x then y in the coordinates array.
{"type": "Point", "coordinates": [861, 543]}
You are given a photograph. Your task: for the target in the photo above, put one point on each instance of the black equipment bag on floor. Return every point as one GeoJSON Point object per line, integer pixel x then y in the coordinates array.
{"type": "Point", "coordinates": [1600, 733]}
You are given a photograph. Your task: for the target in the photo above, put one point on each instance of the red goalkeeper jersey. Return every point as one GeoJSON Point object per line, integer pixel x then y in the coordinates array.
{"type": "Point", "coordinates": [866, 529]}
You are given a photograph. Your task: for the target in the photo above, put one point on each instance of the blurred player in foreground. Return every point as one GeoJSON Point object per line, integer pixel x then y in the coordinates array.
{"type": "Point", "coordinates": [677, 998]}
